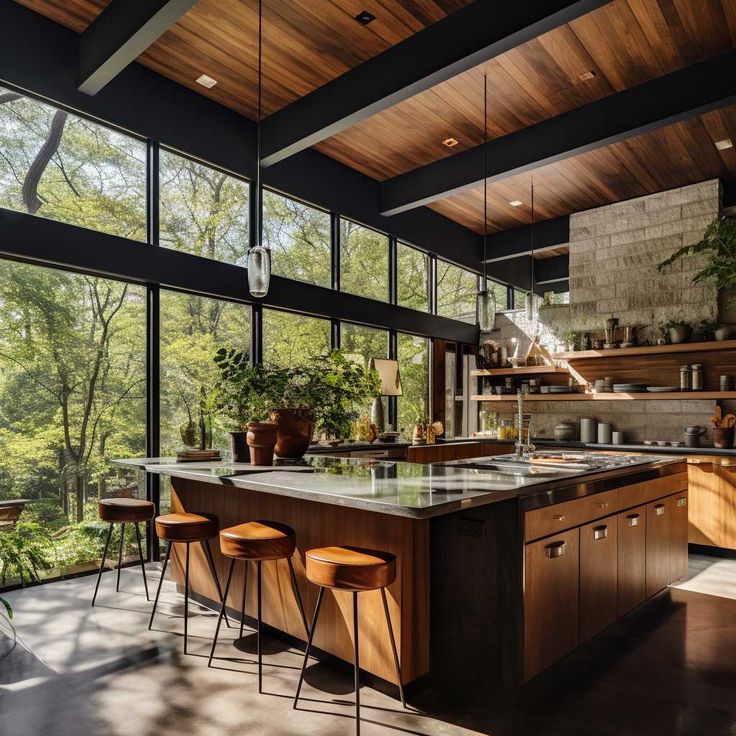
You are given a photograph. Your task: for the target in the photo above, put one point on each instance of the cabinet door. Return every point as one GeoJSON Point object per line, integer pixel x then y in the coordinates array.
{"type": "Point", "coordinates": [598, 576]}
{"type": "Point", "coordinates": [632, 561]}
{"type": "Point", "coordinates": [659, 516]}
{"type": "Point", "coordinates": [678, 507]}
{"type": "Point", "coordinates": [551, 600]}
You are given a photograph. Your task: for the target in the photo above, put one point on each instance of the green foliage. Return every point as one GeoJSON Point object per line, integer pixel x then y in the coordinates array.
{"type": "Point", "coordinates": [7, 607]}
{"type": "Point", "coordinates": [719, 246]}
{"type": "Point", "coordinates": [26, 552]}
{"type": "Point", "coordinates": [363, 261]}
{"type": "Point", "coordinates": [457, 289]}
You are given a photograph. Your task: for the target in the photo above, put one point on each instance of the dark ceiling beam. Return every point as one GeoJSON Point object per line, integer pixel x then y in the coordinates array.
{"type": "Point", "coordinates": [120, 34]}
{"type": "Point", "coordinates": [521, 241]}
{"type": "Point", "coordinates": [548, 270]}
{"type": "Point", "coordinates": [463, 40]}
{"type": "Point", "coordinates": [677, 96]}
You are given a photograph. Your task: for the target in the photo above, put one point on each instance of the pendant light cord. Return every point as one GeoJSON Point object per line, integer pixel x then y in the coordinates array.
{"type": "Point", "coordinates": [259, 198]}
{"type": "Point", "coordinates": [485, 182]}
{"type": "Point", "coordinates": [532, 274]}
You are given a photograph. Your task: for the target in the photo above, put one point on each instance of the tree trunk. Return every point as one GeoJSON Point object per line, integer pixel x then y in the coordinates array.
{"type": "Point", "coordinates": [43, 157]}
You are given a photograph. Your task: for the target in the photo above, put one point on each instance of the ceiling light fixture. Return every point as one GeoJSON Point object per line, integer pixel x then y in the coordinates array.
{"type": "Point", "coordinates": [450, 142]}
{"type": "Point", "coordinates": [585, 76]}
{"type": "Point", "coordinates": [364, 17]}
{"type": "Point", "coordinates": [485, 303]}
{"type": "Point", "coordinates": [259, 257]}
{"type": "Point", "coordinates": [206, 81]}
{"type": "Point", "coordinates": [516, 203]}
{"type": "Point", "coordinates": [724, 144]}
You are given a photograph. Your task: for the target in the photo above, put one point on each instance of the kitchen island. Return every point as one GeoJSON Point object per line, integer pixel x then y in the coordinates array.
{"type": "Point", "coordinates": [485, 549]}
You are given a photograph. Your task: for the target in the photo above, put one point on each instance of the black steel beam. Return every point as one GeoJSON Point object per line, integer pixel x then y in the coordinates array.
{"type": "Point", "coordinates": [674, 97]}
{"type": "Point", "coordinates": [43, 241]}
{"type": "Point", "coordinates": [464, 39]}
{"type": "Point", "coordinates": [518, 241]}
{"type": "Point", "coordinates": [120, 34]}
{"type": "Point", "coordinates": [551, 269]}
{"type": "Point", "coordinates": [729, 192]}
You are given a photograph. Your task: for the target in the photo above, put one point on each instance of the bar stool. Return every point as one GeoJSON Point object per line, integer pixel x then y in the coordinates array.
{"type": "Point", "coordinates": [354, 570]}
{"type": "Point", "coordinates": [123, 511]}
{"type": "Point", "coordinates": [258, 541]}
{"type": "Point", "coordinates": [187, 529]}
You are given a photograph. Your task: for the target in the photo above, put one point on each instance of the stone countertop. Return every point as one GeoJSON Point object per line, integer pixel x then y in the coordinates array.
{"type": "Point", "coordinates": [390, 487]}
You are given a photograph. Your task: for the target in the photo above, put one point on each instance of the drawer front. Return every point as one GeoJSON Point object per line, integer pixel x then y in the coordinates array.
{"type": "Point", "coordinates": [552, 519]}
{"type": "Point", "coordinates": [642, 493]}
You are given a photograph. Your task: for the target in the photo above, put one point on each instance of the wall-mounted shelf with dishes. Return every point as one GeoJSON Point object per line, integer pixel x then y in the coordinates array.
{"type": "Point", "coordinates": [523, 370]}
{"type": "Point", "coordinates": [684, 347]}
{"type": "Point", "coordinates": [643, 396]}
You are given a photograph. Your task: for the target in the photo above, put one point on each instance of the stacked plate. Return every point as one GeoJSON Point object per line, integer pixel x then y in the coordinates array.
{"type": "Point", "coordinates": [560, 390]}
{"type": "Point", "coordinates": [662, 389]}
{"type": "Point", "coordinates": [629, 388]}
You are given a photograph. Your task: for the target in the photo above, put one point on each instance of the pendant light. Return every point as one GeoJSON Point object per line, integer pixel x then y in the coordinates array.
{"type": "Point", "coordinates": [485, 305]}
{"type": "Point", "coordinates": [259, 257]}
{"type": "Point", "coordinates": [532, 299]}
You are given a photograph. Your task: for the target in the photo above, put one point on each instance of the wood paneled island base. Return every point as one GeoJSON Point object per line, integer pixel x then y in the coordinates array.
{"type": "Point", "coordinates": [320, 525]}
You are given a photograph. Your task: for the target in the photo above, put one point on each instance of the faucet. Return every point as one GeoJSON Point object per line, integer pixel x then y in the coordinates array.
{"type": "Point", "coordinates": [524, 449]}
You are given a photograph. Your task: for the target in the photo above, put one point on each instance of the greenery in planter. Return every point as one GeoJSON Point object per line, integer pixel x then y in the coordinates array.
{"type": "Point", "coordinates": [719, 243]}
{"type": "Point", "coordinates": [25, 553]}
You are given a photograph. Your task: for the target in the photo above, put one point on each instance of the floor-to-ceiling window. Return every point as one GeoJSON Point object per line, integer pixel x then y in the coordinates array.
{"type": "Point", "coordinates": [363, 261]}
{"type": "Point", "coordinates": [290, 339]}
{"type": "Point", "coordinates": [412, 277]}
{"type": "Point", "coordinates": [72, 392]}
{"type": "Point", "coordinates": [413, 404]}
{"type": "Point", "coordinates": [457, 289]}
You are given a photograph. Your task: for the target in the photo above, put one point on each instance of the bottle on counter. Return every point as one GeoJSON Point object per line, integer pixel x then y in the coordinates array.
{"type": "Point", "coordinates": [685, 378]}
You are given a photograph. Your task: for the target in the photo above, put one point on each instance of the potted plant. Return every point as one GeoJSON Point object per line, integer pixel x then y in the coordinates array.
{"type": "Point", "coordinates": [677, 330]}
{"type": "Point", "coordinates": [242, 394]}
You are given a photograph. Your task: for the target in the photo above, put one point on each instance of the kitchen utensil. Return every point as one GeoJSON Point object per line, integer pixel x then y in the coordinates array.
{"type": "Point", "coordinates": [729, 421]}
{"type": "Point", "coordinates": [629, 388]}
{"type": "Point", "coordinates": [629, 336]}
{"type": "Point", "coordinates": [716, 418]}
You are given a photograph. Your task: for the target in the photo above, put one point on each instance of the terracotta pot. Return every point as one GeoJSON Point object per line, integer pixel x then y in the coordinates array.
{"type": "Point", "coordinates": [239, 447]}
{"type": "Point", "coordinates": [294, 431]}
{"type": "Point", "coordinates": [261, 440]}
{"type": "Point", "coordinates": [680, 334]}
{"type": "Point", "coordinates": [723, 437]}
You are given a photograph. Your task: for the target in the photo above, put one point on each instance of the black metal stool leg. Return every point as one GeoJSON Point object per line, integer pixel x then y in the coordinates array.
{"type": "Point", "coordinates": [312, 629]}
{"type": "Point", "coordinates": [245, 593]}
{"type": "Point", "coordinates": [393, 647]}
{"type": "Point", "coordinates": [160, 583]}
{"type": "Point", "coordinates": [120, 555]}
{"type": "Point", "coordinates": [222, 611]}
{"type": "Point", "coordinates": [357, 664]}
{"type": "Point", "coordinates": [260, 649]}
{"type": "Point", "coordinates": [102, 563]}
{"type": "Point", "coordinates": [143, 562]}
{"type": "Point", "coordinates": [211, 563]}
{"type": "Point", "coordinates": [186, 598]}
{"type": "Point", "coordinates": [297, 595]}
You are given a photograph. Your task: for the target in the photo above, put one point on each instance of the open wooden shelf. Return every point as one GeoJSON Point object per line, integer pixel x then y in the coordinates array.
{"type": "Point", "coordinates": [685, 347]}
{"type": "Point", "coordinates": [524, 370]}
{"type": "Point", "coordinates": [676, 395]}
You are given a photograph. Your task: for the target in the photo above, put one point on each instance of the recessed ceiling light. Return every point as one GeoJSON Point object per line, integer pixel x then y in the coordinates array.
{"type": "Point", "coordinates": [516, 203]}
{"type": "Point", "coordinates": [449, 142]}
{"type": "Point", "coordinates": [206, 81]}
{"type": "Point", "coordinates": [365, 17]}
{"type": "Point", "coordinates": [585, 76]}
{"type": "Point", "coordinates": [724, 144]}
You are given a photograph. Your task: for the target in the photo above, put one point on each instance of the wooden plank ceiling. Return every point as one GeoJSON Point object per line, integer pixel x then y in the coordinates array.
{"type": "Point", "coordinates": [309, 42]}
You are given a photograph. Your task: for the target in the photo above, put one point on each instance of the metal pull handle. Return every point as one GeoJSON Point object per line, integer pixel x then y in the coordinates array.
{"type": "Point", "coordinates": [659, 509]}
{"type": "Point", "coordinates": [555, 549]}
{"type": "Point", "coordinates": [633, 519]}
{"type": "Point", "coordinates": [682, 501]}
{"type": "Point", "coordinates": [559, 517]}
{"type": "Point", "coordinates": [600, 532]}
{"type": "Point", "coordinates": [603, 505]}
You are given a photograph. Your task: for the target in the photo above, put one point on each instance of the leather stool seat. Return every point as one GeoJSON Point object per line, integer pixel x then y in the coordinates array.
{"type": "Point", "coordinates": [186, 527]}
{"type": "Point", "coordinates": [350, 568]}
{"type": "Point", "coordinates": [125, 510]}
{"type": "Point", "coordinates": [258, 540]}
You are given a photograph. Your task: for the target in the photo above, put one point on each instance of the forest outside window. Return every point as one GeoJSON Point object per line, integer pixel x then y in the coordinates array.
{"type": "Point", "coordinates": [202, 210]}
{"type": "Point", "coordinates": [412, 278]}
{"type": "Point", "coordinates": [292, 339]}
{"type": "Point", "coordinates": [299, 237]}
{"type": "Point", "coordinates": [363, 261]}
{"type": "Point", "coordinates": [66, 168]}
{"type": "Point", "coordinates": [413, 404]}
{"type": "Point", "coordinates": [457, 289]}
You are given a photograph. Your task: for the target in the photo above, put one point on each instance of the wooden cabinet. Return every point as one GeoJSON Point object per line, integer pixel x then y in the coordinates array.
{"type": "Point", "coordinates": [598, 576]}
{"type": "Point", "coordinates": [678, 509]}
{"type": "Point", "coordinates": [444, 451]}
{"type": "Point", "coordinates": [551, 603]}
{"type": "Point", "coordinates": [659, 533]}
{"type": "Point", "coordinates": [712, 501]}
{"type": "Point", "coordinates": [632, 560]}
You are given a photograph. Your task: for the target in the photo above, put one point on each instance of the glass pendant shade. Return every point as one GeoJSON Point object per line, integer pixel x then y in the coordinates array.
{"type": "Point", "coordinates": [259, 270]}
{"type": "Point", "coordinates": [486, 310]}
{"type": "Point", "coordinates": [532, 303]}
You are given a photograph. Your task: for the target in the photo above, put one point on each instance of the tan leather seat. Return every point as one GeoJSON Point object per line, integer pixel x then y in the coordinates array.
{"type": "Point", "coordinates": [258, 540]}
{"type": "Point", "coordinates": [350, 568]}
{"type": "Point", "coordinates": [125, 510]}
{"type": "Point", "coordinates": [187, 527]}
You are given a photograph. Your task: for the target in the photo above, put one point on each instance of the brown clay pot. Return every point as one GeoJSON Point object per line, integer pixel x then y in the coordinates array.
{"type": "Point", "coordinates": [294, 431]}
{"type": "Point", "coordinates": [723, 437]}
{"type": "Point", "coordinates": [261, 440]}
{"type": "Point", "coordinates": [239, 447]}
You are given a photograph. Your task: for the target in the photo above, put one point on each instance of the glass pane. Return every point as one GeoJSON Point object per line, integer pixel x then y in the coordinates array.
{"type": "Point", "coordinates": [501, 293]}
{"type": "Point", "coordinates": [519, 299]}
{"type": "Point", "coordinates": [412, 277]}
{"type": "Point", "coordinates": [456, 292]}
{"type": "Point", "coordinates": [66, 168]}
{"type": "Point", "coordinates": [413, 405]}
{"type": "Point", "coordinates": [290, 339]}
{"type": "Point", "coordinates": [360, 344]}
{"type": "Point", "coordinates": [72, 396]}
{"type": "Point", "coordinates": [363, 261]}
{"type": "Point", "coordinates": [202, 210]}
{"type": "Point", "coordinates": [299, 238]}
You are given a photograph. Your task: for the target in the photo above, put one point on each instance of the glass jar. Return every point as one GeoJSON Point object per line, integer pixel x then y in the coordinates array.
{"type": "Point", "coordinates": [685, 378]}
{"type": "Point", "coordinates": [696, 383]}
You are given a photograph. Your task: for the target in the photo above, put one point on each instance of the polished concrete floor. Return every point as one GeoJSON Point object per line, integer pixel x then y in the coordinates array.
{"type": "Point", "coordinates": [669, 668]}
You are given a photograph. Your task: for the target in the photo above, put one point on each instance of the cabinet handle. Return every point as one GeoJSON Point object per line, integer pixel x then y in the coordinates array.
{"type": "Point", "coordinates": [633, 519]}
{"type": "Point", "coordinates": [682, 501]}
{"type": "Point", "coordinates": [603, 505]}
{"type": "Point", "coordinates": [600, 532]}
{"type": "Point", "coordinates": [659, 509]}
{"type": "Point", "coordinates": [555, 549]}
{"type": "Point", "coordinates": [559, 517]}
